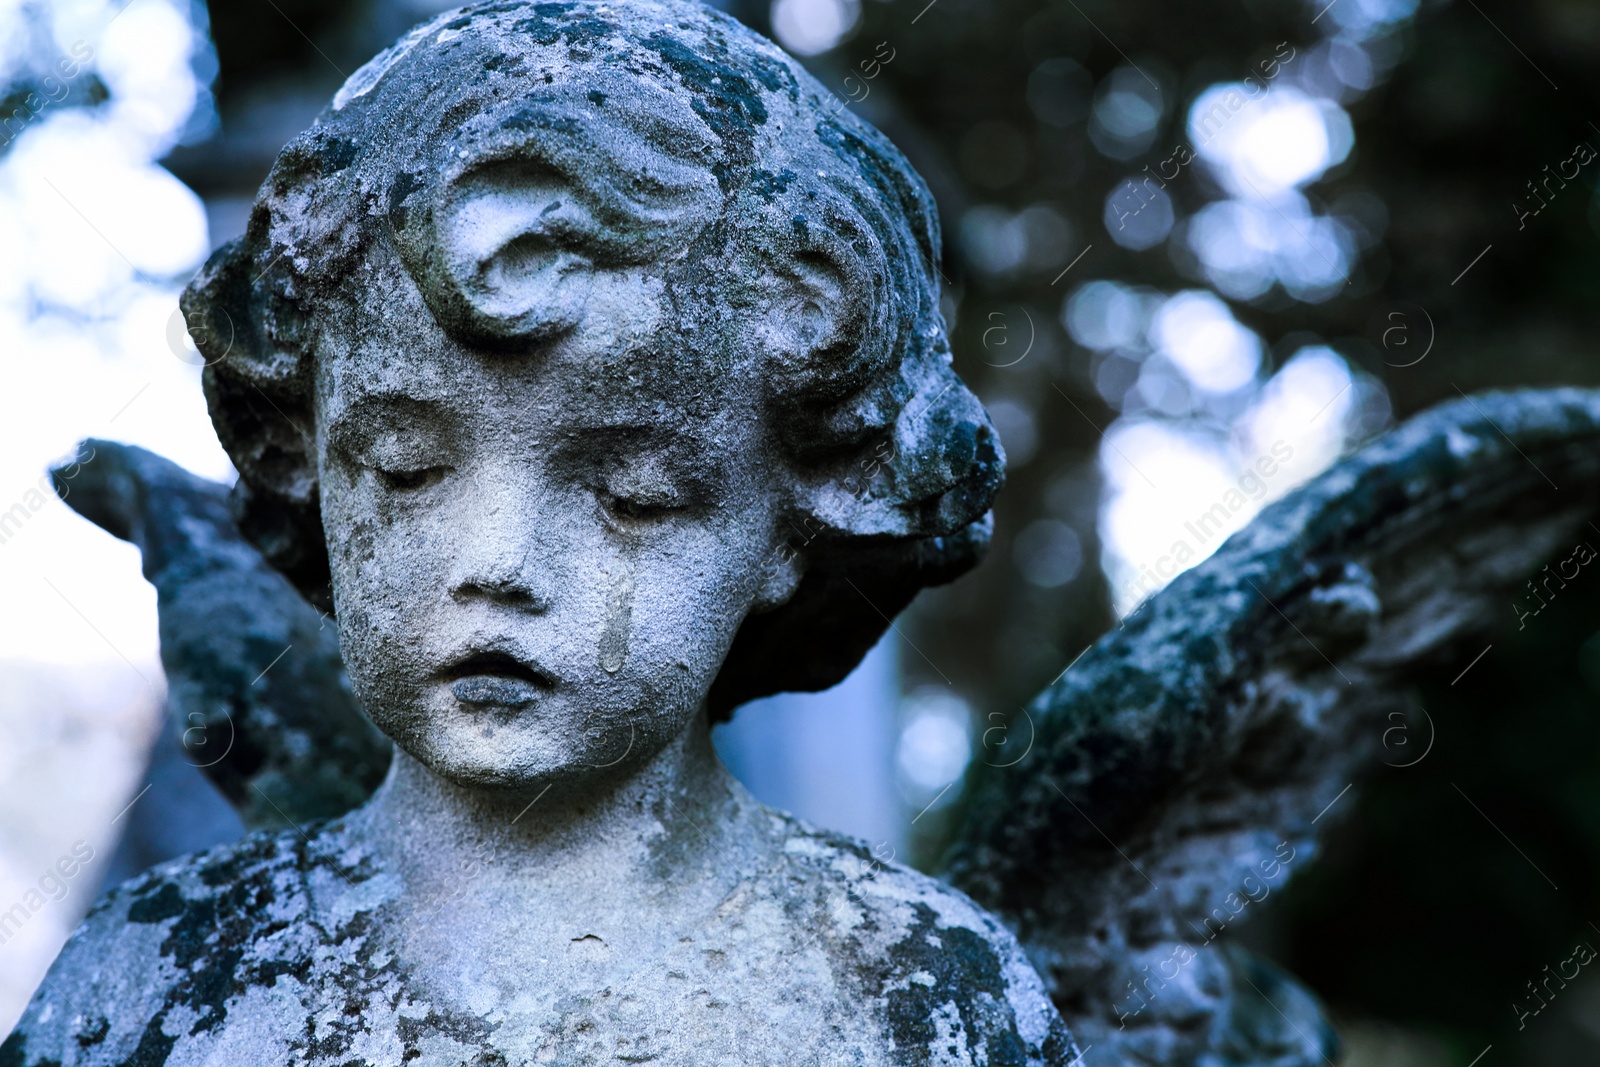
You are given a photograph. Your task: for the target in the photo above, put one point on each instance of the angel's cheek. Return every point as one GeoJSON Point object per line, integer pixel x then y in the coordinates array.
{"type": "Point", "coordinates": [672, 615]}
{"type": "Point", "coordinates": [383, 624]}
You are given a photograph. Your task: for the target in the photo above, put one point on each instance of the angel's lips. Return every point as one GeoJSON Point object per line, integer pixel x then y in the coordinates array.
{"type": "Point", "coordinates": [495, 679]}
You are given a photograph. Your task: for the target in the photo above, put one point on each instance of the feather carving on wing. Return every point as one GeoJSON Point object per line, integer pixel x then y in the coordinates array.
{"type": "Point", "coordinates": [1186, 765]}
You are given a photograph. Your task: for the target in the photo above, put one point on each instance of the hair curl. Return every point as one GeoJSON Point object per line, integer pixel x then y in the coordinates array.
{"type": "Point", "coordinates": [895, 463]}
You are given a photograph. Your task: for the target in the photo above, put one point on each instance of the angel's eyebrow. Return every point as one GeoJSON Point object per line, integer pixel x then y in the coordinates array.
{"type": "Point", "coordinates": [624, 439]}
{"type": "Point", "coordinates": [684, 454]}
{"type": "Point", "coordinates": [356, 424]}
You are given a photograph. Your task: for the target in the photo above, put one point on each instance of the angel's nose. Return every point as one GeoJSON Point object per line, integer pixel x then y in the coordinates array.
{"type": "Point", "coordinates": [506, 559]}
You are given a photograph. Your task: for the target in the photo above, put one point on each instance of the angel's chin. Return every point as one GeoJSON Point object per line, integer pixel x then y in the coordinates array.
{"type": "Point", "coordinates": [515, 757]}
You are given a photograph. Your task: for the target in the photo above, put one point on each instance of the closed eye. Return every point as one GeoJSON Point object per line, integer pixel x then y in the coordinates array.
{"type": "Point", "coordinates": [405, 480]}
{"type": "Point", "coordinates": [637, 509]}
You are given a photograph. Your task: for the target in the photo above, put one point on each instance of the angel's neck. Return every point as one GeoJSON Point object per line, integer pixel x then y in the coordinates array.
{"type": "Point", "coordinates": [665, 823]}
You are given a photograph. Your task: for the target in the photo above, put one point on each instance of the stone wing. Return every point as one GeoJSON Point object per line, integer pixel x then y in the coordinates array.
{"type": "Point", "coordinates": [1182, 769]}
{"type": "Point", "coordinates": [255, 686]}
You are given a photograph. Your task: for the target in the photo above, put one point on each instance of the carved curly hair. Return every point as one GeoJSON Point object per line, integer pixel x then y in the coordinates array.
{"type": "Point", "coordinates": [657, 107]}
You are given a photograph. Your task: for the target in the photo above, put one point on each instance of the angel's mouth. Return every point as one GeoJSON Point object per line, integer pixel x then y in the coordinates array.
{"type": "Point", "coordinates": [496, 679]}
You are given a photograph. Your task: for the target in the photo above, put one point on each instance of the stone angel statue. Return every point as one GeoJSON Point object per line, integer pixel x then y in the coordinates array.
{"type": "Point", "coordinates": [539, 345]}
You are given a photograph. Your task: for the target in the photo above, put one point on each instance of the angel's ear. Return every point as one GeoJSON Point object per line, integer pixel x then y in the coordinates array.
{"type": "Point", "coordinates": [257, 384]}
{"type": "Point", "coordinates": [823, 310]}
{"type": "Point", "coordinates": [814, 312]}
{"type": "Point", "coordinates": [499, 261]}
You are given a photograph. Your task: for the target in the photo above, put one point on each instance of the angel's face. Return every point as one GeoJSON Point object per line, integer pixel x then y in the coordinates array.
{"type": "Point", "coordinates": [539, 560]}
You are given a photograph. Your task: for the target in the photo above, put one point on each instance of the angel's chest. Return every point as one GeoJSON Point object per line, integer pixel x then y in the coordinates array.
{"type": "Point", "coordinates": [709, 1001]}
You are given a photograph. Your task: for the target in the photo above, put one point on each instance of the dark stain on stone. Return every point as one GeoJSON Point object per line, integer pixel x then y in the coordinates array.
{"type": "Point", "coordinates": [404, 185]}
{"type": "Point", "coordinates": [509, 65]}
{"type": "Point", "coordinates": [534, 118]}
{"type": "Point", "coordinates": [154, 1045]}
{"type": "Point", "coordinates": [770, 186]}
{"type": "Point", "coordinates": [724, 97]}
{"type": "Point", "coordinates": [966, 972]}
{"type": "Point", "coordinates": [334, 154]}
{"type": "Point", "coordinates": [14, 1052]}
{"type": "Point", "coordinates": [469, 1030]}
{"type": "Point", "coordinates": [210, 935]}
{"type": "Point", "coordinates": [549, 24]}
{"type": "Point", "coordinates": [166, 903]}
{"type": "Point", "coordinates": [94, 1031]}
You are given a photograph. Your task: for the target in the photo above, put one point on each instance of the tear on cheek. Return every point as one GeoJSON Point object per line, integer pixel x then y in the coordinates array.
{"type": "Point", "coordinates": [619, 620]}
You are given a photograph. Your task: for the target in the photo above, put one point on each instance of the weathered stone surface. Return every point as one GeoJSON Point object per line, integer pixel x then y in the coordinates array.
{"type": "Point", "coordinates": [1447, 487]}
{"type": "Point", "coordinates": [1207, 735]}
{"type": "Point", "coordinates": [800, 948]}
{"type": "Point", "coordinates": [515, 174]}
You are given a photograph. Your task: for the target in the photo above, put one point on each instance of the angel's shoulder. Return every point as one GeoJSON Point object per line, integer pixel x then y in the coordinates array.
{"type": "Point", "coordinates": [159, 954]}
{"type": "Point", "coordinates": [950, 981]}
